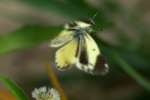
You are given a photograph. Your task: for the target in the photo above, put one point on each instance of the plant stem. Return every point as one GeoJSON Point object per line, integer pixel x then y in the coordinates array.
{"type": "Point", "coordinates": [55, 82]}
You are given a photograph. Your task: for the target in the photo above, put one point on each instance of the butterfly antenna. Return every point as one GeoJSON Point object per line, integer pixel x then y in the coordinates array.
{"type": "Point", "coordinates": [93, 17]}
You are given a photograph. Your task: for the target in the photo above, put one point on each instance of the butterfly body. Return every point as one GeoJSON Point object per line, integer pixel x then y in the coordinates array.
{"type": "Point", "coordinates": [78, 48]}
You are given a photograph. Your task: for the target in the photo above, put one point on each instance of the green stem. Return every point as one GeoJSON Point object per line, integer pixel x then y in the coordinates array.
{"type": "Point", "coordinates": [130, 71]}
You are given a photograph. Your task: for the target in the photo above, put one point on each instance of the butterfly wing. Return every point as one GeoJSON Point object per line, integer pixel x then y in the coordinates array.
{"type": "Point", "coordinates": [67, 55]}
{"type": "Point", "coordinates": [64, 37]}
{"type": "Point", "coordinates": [90, 59]}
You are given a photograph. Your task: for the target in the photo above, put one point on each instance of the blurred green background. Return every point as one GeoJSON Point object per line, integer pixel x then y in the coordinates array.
{"type": "Point", "coordinates": [123, 34]}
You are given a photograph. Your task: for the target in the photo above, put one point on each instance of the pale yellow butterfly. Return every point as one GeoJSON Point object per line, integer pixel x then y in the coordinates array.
{"type": "Point", "coordinates": [78, 48]}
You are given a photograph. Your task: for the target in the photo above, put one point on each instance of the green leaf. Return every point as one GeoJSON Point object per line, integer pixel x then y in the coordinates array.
{"type": "Point", "coordinates": [57, 6]}
{"type": "Point", "coordinates": [13, 88]}
{"type": "Point", "coordinates": [73, 10]}
{"type": "Point", "coordinates": [26, 37]}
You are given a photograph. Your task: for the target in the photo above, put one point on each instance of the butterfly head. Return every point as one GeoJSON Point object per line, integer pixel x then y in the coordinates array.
{"type": "Point", "coordinates": [85, 26]}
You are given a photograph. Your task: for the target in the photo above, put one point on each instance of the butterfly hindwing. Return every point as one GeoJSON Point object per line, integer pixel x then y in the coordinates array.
{"type": "Point", "coordinates": [66, 55]}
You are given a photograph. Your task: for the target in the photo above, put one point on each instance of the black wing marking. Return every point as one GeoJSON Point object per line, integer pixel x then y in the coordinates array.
{"type": "Point", "coordinates": [83, 57]}
{"type": "Point", "coordinates": [101, 66]}
{"type": "Point", "coordinates": [83, 53]}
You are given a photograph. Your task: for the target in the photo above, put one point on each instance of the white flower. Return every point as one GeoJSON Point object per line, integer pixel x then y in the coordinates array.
{"type": "Point", "coordinates": [44, 93]}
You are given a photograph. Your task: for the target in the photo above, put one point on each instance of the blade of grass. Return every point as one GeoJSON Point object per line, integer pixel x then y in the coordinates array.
{"type": "Point", "coordinates": [131, 71]}
{"type": "Point", "coordinates": [13, 88]}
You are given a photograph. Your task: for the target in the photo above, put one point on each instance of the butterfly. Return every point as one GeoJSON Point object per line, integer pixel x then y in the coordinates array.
{"type": "Point", "coordinates": [77, 48]}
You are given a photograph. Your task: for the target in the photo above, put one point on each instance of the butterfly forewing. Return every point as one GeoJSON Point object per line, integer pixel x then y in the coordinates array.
{"type": "Point", "coordinates": [66, 55]}
{"type": "Point", "coordinates": [63, 38]}
{"type": "Point", "coordinates": [90, 59]}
